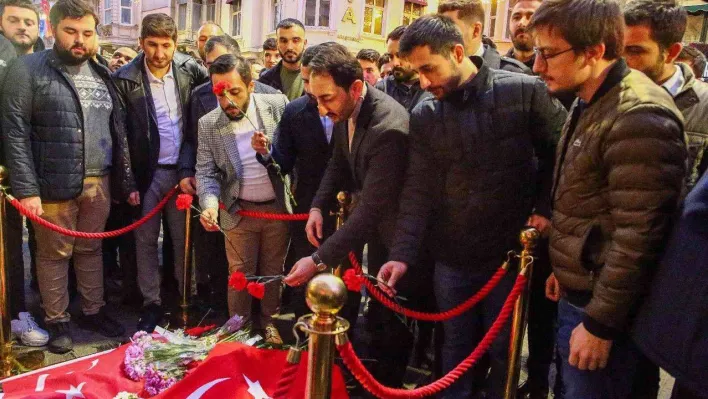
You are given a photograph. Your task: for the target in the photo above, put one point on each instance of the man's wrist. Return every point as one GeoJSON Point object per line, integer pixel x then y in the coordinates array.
{"type": "Point", "coordinates": [318, 210]}
{"type": "Point", "coordinates": [319, 264]}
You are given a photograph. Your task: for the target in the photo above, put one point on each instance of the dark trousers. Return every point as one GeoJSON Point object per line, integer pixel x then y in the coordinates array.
{"type": "Point", "coordinates": [14, 260]}
{"type": "Point", "coordinates": [211, 265]}
{"type": "Point", "coordinates": [119, 252]}
{"type": "Point", "coordinates": [541, 324]}
{"type": "Point", "coordinates": [453, 285]}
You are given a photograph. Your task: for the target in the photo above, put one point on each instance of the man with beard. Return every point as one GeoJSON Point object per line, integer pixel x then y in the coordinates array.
{"type": "Point", "coordinates": [480, 164]}
{"type": "Point", "coordinates": [66, 146]}
{"type": "Point", "coordinates": [227, 170]}
{"type": "Point", "coordinates": [209, 258]}
{"type": "Point", "coordinates": [155, 88]}
{"type": "Point", "coordinates": [369, 160]}
{"type": "Point", "coordinates": [121, 57]}
{"type": "Point", "coordinates": [285, 76]}
{"type": "Point", "coordinates": [522, 49]}
{"type": "Point", "coordinates": [403, 84]}
{"type": "Point", "coordinates": [20, 24]}
{"type": "Point", "coordinates": [206, 31]}
{"type": "Point", "coordinates": [652, 42]}
{"type": "Point", "coordinates": [469, 18]}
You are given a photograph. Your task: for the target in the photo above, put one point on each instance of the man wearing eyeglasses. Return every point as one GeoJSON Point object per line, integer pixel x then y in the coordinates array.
{"type": "Point", "coordinates": [472, 183]}
{"type": "Point", "coordinates": [619, 175]}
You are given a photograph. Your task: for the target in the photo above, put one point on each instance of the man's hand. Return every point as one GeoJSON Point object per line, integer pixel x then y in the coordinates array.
{"type": "Point", "coordinates": [301, 272]}
{"type": "Point", "coordinates": [34, 204]}
{"type": "Point", "coordinates": [389, 275]}
{"type": "Point", "coordinates": [553, 291]}
{"type": "Point", "coordinates": [260, 143]}
{"type": "Point", "coordinates": [588, 352]}
{"type": "Point", "coordinates": [134, 198]}
{"type": "Point", "coordinates": [539, 223]}
{"type": "Point", "coordinates": [188, 185]}
{"type": "Point", "coordinates": [313, 228]}
{"type": "Point", "coordinates": [209, 219]}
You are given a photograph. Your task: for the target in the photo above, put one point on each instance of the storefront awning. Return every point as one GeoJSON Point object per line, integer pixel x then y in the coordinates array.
{"type": "Point", "coordinates": [696, 9]}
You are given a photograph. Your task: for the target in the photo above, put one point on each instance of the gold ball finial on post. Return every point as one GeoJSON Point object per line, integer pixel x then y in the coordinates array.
{"type": "Point", "coordinates": [529, 238]}
{"type": "Point", "coordinates": [3, 174]}
{"type": "Point", "coordinates": [326, 294]}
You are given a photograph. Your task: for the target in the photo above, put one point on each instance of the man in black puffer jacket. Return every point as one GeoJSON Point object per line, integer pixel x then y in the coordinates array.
{"type": "Point", "coordinates": [65, 143]}
{"type": "Point", "coordinates": [472, 178]}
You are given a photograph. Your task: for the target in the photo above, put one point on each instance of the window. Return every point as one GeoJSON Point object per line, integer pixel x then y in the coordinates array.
{"type": "Point", "coordinates": [197, 6]}
{"type": "Point", "coordinates": [317, 12]}
{"type": "Point", "coordinates": [107, 12]}
{"type": "Point", "coordinates": [211, 10]}
{"type": "Point", "coordinates": [492, 18]}
{"type": "Point", "coordinates": [236, 18]}
{"type": "Point", "coordinates": [126, 12]}
{"type": "Point", "coordinates": [277, 11]}
{"type": "Point", "coordinates": [181, 14]}
{"type": "Point", "coordinates": [411, 12]}
{"type": "Point", "coordinates": [373, 16]}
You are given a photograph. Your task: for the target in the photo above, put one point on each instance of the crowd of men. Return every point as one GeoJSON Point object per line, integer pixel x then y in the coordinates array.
{"type": "Point", "coordinates": [592, 129]}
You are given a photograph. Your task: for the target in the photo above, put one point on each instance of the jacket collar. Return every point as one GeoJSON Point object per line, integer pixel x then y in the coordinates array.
{"type": "Point", "coordinates": [135, 69]}
{"type": "Point", "coordinates": [687, 96]}
{"type": "Point", "coordinates": [617, 72]}
{"type": "Point", "coordinates": [473, 87]}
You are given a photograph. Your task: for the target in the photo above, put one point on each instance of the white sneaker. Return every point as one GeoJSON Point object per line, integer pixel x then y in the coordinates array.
{"type": "Point", "coordinates": [28, 331]}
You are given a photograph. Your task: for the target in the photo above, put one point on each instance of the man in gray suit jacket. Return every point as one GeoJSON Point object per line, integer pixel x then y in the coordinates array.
{"type": "Point", "coordinates": [227, 169]}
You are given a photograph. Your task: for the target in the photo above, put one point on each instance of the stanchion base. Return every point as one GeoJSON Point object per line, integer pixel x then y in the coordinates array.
{"type": "Point", "coordinates": [31, 360]}
{"type": "Point", "coordinates": [184, 317]}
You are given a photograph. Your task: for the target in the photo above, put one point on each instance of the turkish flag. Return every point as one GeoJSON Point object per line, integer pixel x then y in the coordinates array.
{"type": "Point", "coordinates": [98, 376]}
{"type": "Point", "coordinates": [234, 370]}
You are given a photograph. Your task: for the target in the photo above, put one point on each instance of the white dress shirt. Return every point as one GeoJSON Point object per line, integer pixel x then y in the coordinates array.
{"type": "Point", "coordinates": [168, 109]}
{"type": "Point", "coordinates": [675, 82]}
{"type": "Point", "coordinates": [351, 122]}
{"type": "Point", "coordinates": [328, 126]}
{"type": "Point", "coordinates": [255, 183]}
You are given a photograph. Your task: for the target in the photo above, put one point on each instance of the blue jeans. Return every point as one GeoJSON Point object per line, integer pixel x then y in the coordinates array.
{"type": "Point", "coordinates": [612, 382]}
{"type": "Point", "coordinates": [463, 333]}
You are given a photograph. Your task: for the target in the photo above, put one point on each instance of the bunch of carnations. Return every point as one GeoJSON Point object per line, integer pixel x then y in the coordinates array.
{"type": "Point", "coordinates": [255, 285]}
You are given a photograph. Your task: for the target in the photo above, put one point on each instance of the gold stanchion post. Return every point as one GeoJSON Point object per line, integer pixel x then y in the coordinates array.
{"type": "Point", "coordinates": [6, 357]}
{"type": "Point", "coordinates": [187, 275]}
{"type": "Point", "coordinates": [326, 295]}
{"type": "Point", "coordinates": [342, 214]}
{"type": "Point", "coordinates": [529, 238]}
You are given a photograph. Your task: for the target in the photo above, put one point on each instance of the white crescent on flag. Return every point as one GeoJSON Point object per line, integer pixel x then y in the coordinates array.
{"type": "Point", "coordinates": [202, 389]}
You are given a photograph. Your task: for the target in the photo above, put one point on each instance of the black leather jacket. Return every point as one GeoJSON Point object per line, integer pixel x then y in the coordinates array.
{"type": "Point", "coordinates": [143, 135]}
{"type": "Point", "coordinates": [43, 130]}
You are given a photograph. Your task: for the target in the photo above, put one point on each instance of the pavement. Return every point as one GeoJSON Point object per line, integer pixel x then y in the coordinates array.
{"type": "Point", "coordinates": [87, 342]}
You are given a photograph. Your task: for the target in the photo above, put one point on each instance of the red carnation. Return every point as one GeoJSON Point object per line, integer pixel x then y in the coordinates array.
{"type": "Point", "coordinates": [221, 87]}
{"type": "Point", "coordinates": [353, 281]}
{"type": "Point", "coordinates": [198, 331]}
{"type": "Point", "coordinates": [257, 290]}
{"type": "Point", "coordinates": [184, 202]}
{"type": "Point", "coordinates": [238, 281]}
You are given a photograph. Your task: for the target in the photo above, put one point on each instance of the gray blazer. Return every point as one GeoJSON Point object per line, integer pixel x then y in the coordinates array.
{"type": "Point", "coordinates": [219, 167]}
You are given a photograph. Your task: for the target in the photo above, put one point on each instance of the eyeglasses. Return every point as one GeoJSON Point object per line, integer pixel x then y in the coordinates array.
{"type": "Point", "coordinates": [546, 57]}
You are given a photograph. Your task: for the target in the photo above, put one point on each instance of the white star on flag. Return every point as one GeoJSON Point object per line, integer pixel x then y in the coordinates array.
{"type": "Point", "coordinates": [255, 389]}
{"type": "Point", "coordinates": [73, 392]}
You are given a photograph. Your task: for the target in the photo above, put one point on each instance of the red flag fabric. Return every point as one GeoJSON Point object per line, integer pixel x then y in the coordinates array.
{"type": "Point", "coordinates": [98, 376]}
{"type": "Point", "coordinates": [232, 370]}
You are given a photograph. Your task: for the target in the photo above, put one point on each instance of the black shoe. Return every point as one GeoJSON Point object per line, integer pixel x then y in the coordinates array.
{"type": "Point", "coordinates": [528, 391]}
{"type": "Point", "coordinates": [102, 324]}
{"type": "Point", "coordinates": [152, 314]}
{"type": "Point", "coordinates": [60, 338]}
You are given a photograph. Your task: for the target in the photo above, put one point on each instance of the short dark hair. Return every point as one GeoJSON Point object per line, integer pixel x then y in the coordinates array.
{"type": "Point", "coordinates": [70, 9]}
{"type": "Point", "coordinates": [396, 33]}
{"type": "Point", "coordinates": [334, 60]}
{"type": "Point", "coordinates": [368, 54]}
{"type": "Point", "coordinates": [288, 23]}
{"type": "Point", "coordinates": [311, 51]}
{"type": "Point", "coordinates": [158, 25]}
{"type": "Point", "coordinates": [695, 57]}
{"type": "Point", "coordinates": [666, 18]}
{"type": "Point", "coordinates": [228, 42]}
{"type": "Point", "coordinates": [27, 4]}
{"type": "Point", "coordinates": [228, 62]}
{"type": "Point", "coordinates": [270, 44]}
{"type": "Point", "coordinates": [384, 59]}
{"type": "Point", "coordinates": [436, 31]}
{"type": "Point", "coordinates": [470, 11]}
{"type": "Point", "coordinates": [584, 23]}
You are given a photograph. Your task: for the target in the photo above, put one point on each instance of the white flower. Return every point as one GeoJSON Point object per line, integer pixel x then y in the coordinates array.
{"type": "Point", "coordinates": [127, 395]}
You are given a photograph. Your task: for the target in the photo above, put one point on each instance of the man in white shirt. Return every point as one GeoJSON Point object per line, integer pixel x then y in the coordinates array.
{"type": "Point", "coordinates": [155, 87]}
{"type": "Point", "coordinates": [227, 170]}
{"type": "Point", "coordinates": [652, 41]}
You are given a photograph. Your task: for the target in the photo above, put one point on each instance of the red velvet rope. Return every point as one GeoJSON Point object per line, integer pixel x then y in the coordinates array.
{"type": "Point", "coordinates": [286, 380]}
{"type": "Point", "coordinates": [80, 234]}
{"type": "Point", "coordinates": [442, 316]}
{"type": "Point", "coordinates": [367, 380]}
{"type": "Point", "coordinates": [273, 216]}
